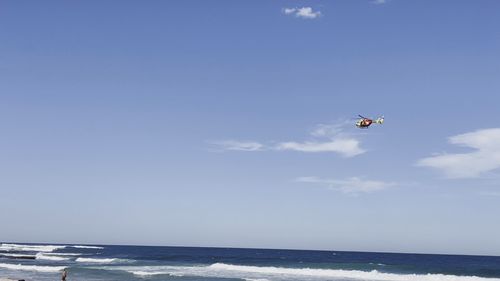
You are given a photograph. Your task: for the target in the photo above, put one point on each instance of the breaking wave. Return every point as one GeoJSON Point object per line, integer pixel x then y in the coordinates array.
{"type": "Point", "coordinates": [37, 268]}
{"type": "Point", "coordinates": [222, 270]}
{"type": "Point", "coordinates": [339, 273]}
{"type": "Point", "coordinates": [151, 273]}
{"type": "Point", "coordinates": [86, 247]}
{"type": "Point", "coordinates": [40, 256]}
{"type": "Point", "coordinates": [30, 248]}
{"type": "Point", "coordinates": [102, 260]}
{"type": "Point", "coordinates": [41, 248]}
{"type": "Point", "coordinates": [63, 254]}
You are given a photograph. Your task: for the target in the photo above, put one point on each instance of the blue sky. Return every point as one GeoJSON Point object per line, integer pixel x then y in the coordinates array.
{"type": "Point", "coordinates": [230, 123]}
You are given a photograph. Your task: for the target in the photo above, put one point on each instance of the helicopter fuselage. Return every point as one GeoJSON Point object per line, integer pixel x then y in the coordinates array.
{"type": "Point", "coordinates": [364, 123]}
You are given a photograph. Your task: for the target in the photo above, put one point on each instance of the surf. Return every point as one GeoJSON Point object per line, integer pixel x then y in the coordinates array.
{"type": "Point", "coordinates": [40, 256]}
{"type": "Point", "coordinates": [30, 248]}
{"type": "Point", "coordinates": [38, 268]}
{"type": "Point", "coordinates": [223, 270]}
{"type": "Point", "coordinates": [100, 260]}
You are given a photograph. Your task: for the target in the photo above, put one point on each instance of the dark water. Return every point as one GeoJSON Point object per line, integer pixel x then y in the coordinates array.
{"type": "Point", "coordinates": [44, 262]}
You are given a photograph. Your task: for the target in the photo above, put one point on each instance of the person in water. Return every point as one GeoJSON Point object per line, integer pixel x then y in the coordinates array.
{"type": "Point", "coordinates": [64, 274]}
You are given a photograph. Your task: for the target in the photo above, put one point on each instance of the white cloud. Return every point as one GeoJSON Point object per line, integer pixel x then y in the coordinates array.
{"type": "Point", "coordinates": [485, 157]}
{"type": "Point", "coordinates": [304, 12]}
{"type": "Point", "coordinates": [327, 138]}
{"type": "Point", "coordinates": [324, 138]}
{"type": "Point", "coordinates": [379, 2]}
{"type": "Point", "coordinates": [239, 145]}
{"type": "Point", "coordinates": [350, 185]}
{"type": "Point", "coordinates": [307, 13]}
{"type": "Point", "coordinates": [346, 147]}
{"type": "Point", "coordinates": [329, 130]}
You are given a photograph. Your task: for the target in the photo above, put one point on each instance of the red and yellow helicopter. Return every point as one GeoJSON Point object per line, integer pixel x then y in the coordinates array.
{"type": "Point", "coordinates": [364, 123]}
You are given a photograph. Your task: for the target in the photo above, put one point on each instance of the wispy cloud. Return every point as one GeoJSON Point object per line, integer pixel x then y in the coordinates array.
{"type": "Point", "coordinates": [351, 185]}
{"type": "Point", "coordinates": [330, 130]}
{"type": "Point", "coordinates": [378, 2]}
{"type": "Point", "coordinates": [289, 11]}
{"type": "Point", "coordinates": [484, 158]}
{"type": "Point", "coordinates": [324, 138]}
{"type": "Point", "coordinates": [304, 12]}
{"type": "Point", "coordinates": [346, 147]}
{"type": "Point", "coordinates": [238, 145]}
{"type": "Point", "coordinates": [327, 138]}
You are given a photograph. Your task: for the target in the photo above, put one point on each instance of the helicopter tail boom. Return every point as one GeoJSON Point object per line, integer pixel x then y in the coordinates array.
{"type": "Point", "coordinates": [379, 120]}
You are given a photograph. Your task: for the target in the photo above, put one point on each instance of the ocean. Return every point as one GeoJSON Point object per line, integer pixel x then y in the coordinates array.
{"type": "Point", "coordinates": [102, 262]}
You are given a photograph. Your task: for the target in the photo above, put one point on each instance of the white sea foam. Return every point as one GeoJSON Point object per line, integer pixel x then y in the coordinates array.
{"type": "Point", "coordinates": [31, 267]}
{"type": "Point", "coordinates": [63, 254]}
{"type": "Point", "coordinates": [339, 273]}
{"type": "Point", "coordinates": [86, 247]}
{"type": "Point", "coordinates": [40, 256]}
{"type": "Point", "coordinates": [222, 270]}
{"type": "Point", "coordinates": [379, 264]}
{"type": "Point", "coordinates": [30, 248]}
{"type": "Point", "coordinates": [151, 273]}
{"type": "Point", "coordinates": [100, 260]}
{"type": "Point", "coordinates": [142, 273]}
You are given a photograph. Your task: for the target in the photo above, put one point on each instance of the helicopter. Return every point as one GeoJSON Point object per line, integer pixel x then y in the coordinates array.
{"type": "Point", "coordinates": [364, 123]}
